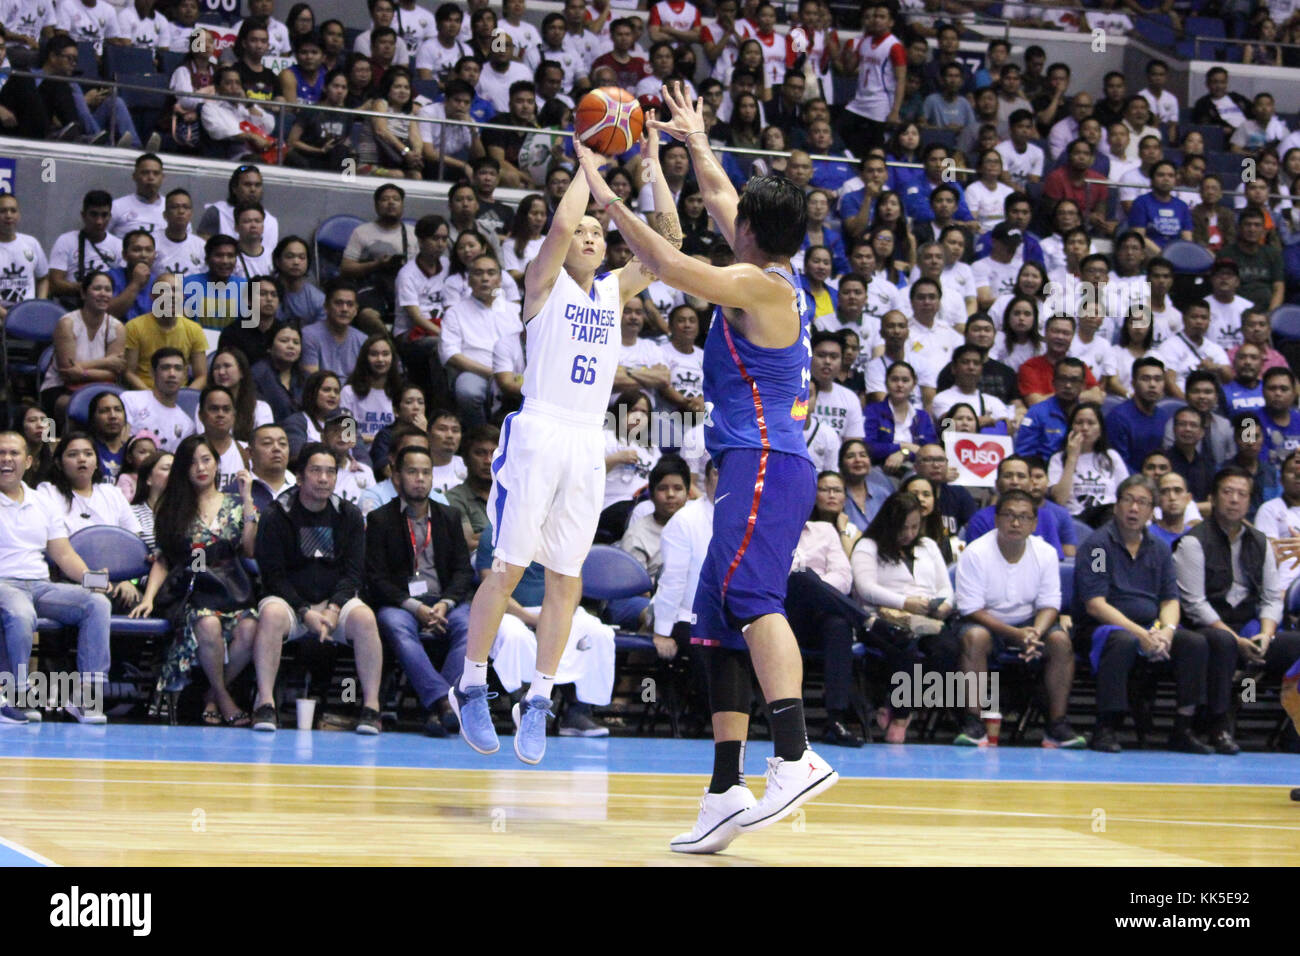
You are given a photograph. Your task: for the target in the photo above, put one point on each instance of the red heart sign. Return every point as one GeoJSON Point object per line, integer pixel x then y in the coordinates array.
{"type": "Point", "coordinates": [980, 459]}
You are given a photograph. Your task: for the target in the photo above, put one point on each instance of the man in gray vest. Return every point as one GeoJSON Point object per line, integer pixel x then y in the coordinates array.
{"type": "Point", "coordinates": [1230, 591]}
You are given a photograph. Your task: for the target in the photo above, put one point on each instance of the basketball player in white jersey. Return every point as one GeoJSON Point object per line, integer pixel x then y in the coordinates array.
{"type": "Point", "coordinates": [549, 468]}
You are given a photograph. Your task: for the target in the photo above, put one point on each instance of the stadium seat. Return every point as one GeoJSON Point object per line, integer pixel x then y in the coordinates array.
{"type": "Point", "coordinates": [1189, 257]}
{"type": "Point", "coordinates": [87, 59]}
{"type": "Point", "coordinates": [1213, 136]}
{"type": "Point", "coordinates": [126, 557]}
{"type": "Point", "coordinates": [1082, 531]}
{"type": "Point", "coordinates": [429, 89]}
{"type": "Point", "coordinates": [168, 61]}
{"type": "Point", "coordinates": [1169, 405]}
{"type": "Point", "coordinates": [79, 407]}
{"type": "Point", "coordinates": [30, 321]}
{"type": "Point", "coordinates": [610, 573]}
{"type": "Point", "coordinates": [332, 238]}
{"type": "Point", "coordinates": [1285, 322]}
{"type": "Point", "coordinates": [1154, 31]}
{"type": "Point", "coordinates": [188, 400]}
{"type": "Point", "coordinates": [1204, 27]}
{"type": "Point", "coordinates": [1292, 604]}
{"type": "Point", "coordinates": [146, 108]}
{"type": "Point", "coordinates": [43, 363]}
{"type": "Point", "coordinates": [127, 62]}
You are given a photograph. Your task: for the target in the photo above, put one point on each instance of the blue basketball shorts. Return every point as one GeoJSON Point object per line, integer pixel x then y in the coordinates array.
{"type": "Point", "coordinates": [763, 500]}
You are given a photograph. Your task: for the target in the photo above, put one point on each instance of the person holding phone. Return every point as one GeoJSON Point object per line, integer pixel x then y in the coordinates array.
{"type": "Point", "coordinates": [29, 531]}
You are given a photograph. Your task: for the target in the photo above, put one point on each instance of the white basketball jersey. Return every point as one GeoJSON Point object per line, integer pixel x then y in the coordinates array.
{"type": "Point", "coordinates": [573, 346]}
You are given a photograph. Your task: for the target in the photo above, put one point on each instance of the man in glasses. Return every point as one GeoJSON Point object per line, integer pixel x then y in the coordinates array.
{"type": "Point", "coordinates": [1126, 606]}
{"type": "Point", "coordinates": [1009, 597]}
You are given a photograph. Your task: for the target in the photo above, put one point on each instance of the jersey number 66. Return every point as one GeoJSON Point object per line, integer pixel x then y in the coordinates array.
{"type": "Point", "coordinates": [584, 370]}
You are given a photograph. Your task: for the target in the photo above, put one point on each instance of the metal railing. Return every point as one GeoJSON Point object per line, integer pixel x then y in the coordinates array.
{"type": "Point", "coordinates": [1238, 41]}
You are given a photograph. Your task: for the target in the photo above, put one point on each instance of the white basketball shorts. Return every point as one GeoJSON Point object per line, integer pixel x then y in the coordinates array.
{"type": "Point", "coordinates": [547, 489]}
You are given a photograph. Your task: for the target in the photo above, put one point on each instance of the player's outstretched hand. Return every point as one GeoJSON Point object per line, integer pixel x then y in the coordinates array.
{"type": "Point", "coordinates": [686, 119]}
{"type": "Point", "coordinates": [600, 190]}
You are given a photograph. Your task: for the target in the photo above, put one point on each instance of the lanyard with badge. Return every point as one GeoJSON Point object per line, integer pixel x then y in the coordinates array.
{"type": "Point", "coordinates": [417, 586]}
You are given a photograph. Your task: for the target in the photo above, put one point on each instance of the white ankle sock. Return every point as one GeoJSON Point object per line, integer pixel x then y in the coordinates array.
{"type": "Point", "coordinates": [475, 673]}
{"type": "Point", "coordinates": [541, 686]}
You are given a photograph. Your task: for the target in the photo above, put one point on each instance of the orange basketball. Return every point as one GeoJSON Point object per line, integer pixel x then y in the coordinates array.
{"type": "Point", "coordinates": [609, 120]}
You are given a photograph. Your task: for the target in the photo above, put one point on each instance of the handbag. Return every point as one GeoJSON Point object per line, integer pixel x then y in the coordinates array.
{"type": "Point", "coordinates": [172, 598]}
{"type": "Point", "coordinates": [223, 585]}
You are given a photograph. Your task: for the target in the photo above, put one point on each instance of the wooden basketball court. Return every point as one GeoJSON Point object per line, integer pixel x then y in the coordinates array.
{"type": "Point", "coordinates": [178, 812]}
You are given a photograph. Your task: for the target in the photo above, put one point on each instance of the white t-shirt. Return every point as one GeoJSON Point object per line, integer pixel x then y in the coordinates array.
{"type": "Point", "coordinates": [26, 527]}
{"type": "Point", "coordinates": [622, 482]}
{"type": "Point", "coordinates": [512, 261]}
{"type": "Point", "coordinates": [1094, 354]}
{"type": "Point", "coordinates": [495, 87]}
{"type": "Point", "coordinates": [105, 506]}
{"type": "Point", "coordinates": [1229, 111]}
{"type": "Point", "coordinates": [130, 212]}
{"type": "Point", "coordinates": [1278, 520]}
{"type": "Point", "coordinates": [152, 32]}
{"type": "Point", "coordinates": [1164, 107]}
{"type": "Point", "coordinates": [1014, 355]}
{"type": "Point", "coordinates": [984, 404]}
{"type": "Point", "coordinates": [1094, 482]}
{"type": "Point", "coordinates": [883, 296]}
{"type": "Point", "coordinates": [417, 25]}
{"type": "Point", "coordinates": [22, 262]}
{"type": "Point", "coordinates": [75, 257]}
{"type": "Point", "coordinates": [1021, 165]}
{"type": "Point", "coordinates": [525, 36]}
{"type": "Point", "coordinates": [352, 481]}
{"type": "Point", "coordinates": [416, 288]}
{"type": "Point", "coordinates": [1135, 182]}
{"type": "Point", "coordinates": [249, 266]}
{"type": "Point", "coordinates": [440, 60]}
{"type": "Point", "coordinates": [1000, 277]}
{"type": "Point", "coordinates": [685, 371]}
{"type": "Point", "coordinates": [840, 410]}
{"type": "Point", "coordinates": [1119, 362]}
{"type": "Point", "coordinates": [181, 257]}
{"type": "Point", "coordinates": [877, 369]}
{"type": "Point", "coordinates": [987, 205]}
{"type": "Point", "coordinates": [1181, 355]}
{"type": "Point", "coordinates": [372, 413]}
{"type": "Point", "coordinates": [169, 426]}
{"type": "Point", "coordinates": [87, 24]}
{"type": "Point", "coordinates": [1225, 321]}
{"type": "Point", "coordinates": [1011, 592]}
{"type": "Point", "coordinates": [448, 476]}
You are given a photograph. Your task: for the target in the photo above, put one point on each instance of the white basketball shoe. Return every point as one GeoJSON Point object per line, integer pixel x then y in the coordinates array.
{"type": "Point", "coordinates": [716, 826]}
{"type": "Point", "coordinates": [790, 783]}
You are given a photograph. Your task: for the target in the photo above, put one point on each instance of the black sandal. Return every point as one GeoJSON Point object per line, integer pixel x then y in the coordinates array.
{"type": "Point", "coordinates": [212, 718]}
{"type": "Point", "coordinates": [238, 719]}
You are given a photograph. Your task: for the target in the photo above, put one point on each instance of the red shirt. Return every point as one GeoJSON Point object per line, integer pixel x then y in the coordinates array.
{"type": "Point", "coordinates": [1035, 376]}
{"type": "Point", "coordinates": [1091, 195]}
{"type": "Point", "coordinates": [628, 74]}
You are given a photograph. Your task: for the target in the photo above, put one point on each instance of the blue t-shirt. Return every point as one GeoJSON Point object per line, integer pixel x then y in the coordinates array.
{"type": "Point", "coordinates": [1243, 399]}
{"type": "Point", "coordinates": [1280, 440]}
{"type": "Point", "coordinates": [1163, 221]}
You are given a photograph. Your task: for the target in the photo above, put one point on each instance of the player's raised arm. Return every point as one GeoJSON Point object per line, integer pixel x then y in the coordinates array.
{"type": "Point", "coordinates": [738, 286]}
{"type": "Point", "coordinates": [542, 272]}
{"type": "Point", "coordinates": [634, 277]}
{"type": "Point", "coordinates": [687, 125]}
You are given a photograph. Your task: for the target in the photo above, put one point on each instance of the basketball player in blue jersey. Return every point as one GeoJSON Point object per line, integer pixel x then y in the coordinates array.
{"type": "Point", "coordinates": [549, 468]}
{"type": "Point", "coordinates": [757, 368]}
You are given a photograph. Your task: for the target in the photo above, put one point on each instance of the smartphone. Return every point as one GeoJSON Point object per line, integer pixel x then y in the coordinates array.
{"type": "Point", "coordinates": [95, 580]}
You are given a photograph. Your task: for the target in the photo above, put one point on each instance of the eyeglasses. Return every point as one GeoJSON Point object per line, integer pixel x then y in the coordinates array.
{"type": "Point", "coordinates": [1141, 502]}
{"type": "Point", "coordinates": [1017, 517]}
{"type": "Point", "coordinates": [932, 460]}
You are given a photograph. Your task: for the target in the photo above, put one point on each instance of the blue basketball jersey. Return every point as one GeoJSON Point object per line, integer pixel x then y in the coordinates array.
{"type": "Point", "coordinates": [757, 397]}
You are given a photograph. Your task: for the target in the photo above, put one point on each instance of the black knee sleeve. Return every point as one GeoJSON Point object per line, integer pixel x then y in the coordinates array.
{"type": "Point", "coordinates": [731, 689]}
